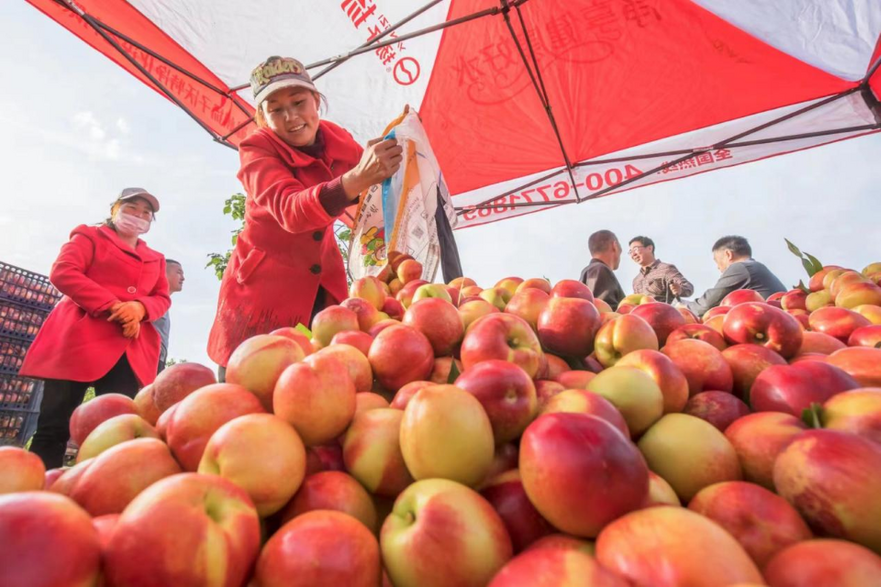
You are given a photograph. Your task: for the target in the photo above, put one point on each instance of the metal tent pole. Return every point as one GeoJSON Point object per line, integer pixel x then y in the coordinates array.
{"type": "Point", "coordinates": [382, 35]}
{"type": "Point", "coordinates": [97, 28]}
{"type": "Point", "coordinates": [726, 142]}
{"type": "Point", "coordinates": [162, 59]}
{"type": "Point", "coordinates": [419, 33]}
{"type": "Point", "coordinates": [538, 84]}
{"type": "Point", "coordinates": [688, 154]}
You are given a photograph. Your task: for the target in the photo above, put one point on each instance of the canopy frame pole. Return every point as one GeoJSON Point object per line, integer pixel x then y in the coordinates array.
{"type": "Point", "coordinates": [687, 154]}
{"type": "Point", "coordinates": [233, 96]}
{"type": "Point", "coordinates": [538, 84]}
{"type": "Point", "coordinates": [375, 43]}
{"type": "Point", "coordinates": [97, 28]}
{"type": "Point", "coordinates": [727, 142]}
{"type": "Point", "coordinates": [382, 35]}
{"type": "Point", "coordinates": [238, 128]}
{"type": "Point", "coordinates": [547, 99]}
{"type": "Point", "coordinates": [806, 135]}
{"type": "Point", "coordinates": [868, 95]}
{"type": "Point", "coordinates": [871, 71]}
{"type": "Point", "coordinates": [418, 33]}
{"type": "Point", "coordinates": [369, 44]}
{"type": "Point", "coordinates": [489, 204]}
{"type": "Point", "coordinates": [791, 115]}
{"type": "Point", "coordinates": [164, 60]}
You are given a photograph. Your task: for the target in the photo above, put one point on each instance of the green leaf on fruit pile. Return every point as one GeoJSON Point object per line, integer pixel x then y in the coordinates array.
{"type": "Point", "coordinates": [817, 266]}
{"type": "Point", "coordinates": [811, 264]}
{"type": "Point", "coordinates": [811, 416]}
{"type": "Point", "coordinates": [801, 285]}
{"type": "Point", "coordinates": [809, 267]}
{"type": "Point", "coordinates": [454, 372]}
{"type": "Point", "coordinates": [303, 330]}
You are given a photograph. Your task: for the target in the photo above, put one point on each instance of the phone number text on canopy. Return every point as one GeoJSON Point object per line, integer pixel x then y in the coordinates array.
{"type": "Point", "coordinates": [557, 191]}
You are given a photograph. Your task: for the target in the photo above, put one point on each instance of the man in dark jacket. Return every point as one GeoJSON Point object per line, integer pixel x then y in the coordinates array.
{"type": "Point", "coordinates": [598, 275]}
{"type": "Point", "coordinates": [733, 257]}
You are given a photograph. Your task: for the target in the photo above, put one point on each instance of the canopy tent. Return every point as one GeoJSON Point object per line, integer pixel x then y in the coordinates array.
{"type": "Point", "coordinates": [529, 104]}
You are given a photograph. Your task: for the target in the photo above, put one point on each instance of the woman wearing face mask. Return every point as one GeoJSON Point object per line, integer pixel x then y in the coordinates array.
{"type": "Point", "coordinates": [100, 334]}
{"type": "Point", "coordinates": [300, 173]}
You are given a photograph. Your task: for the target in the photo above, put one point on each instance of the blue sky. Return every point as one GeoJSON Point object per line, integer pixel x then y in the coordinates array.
{"type": "Point", "coordinates": [78, 129]}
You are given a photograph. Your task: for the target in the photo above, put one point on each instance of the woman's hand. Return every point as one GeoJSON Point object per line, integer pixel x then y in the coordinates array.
{"type": "Point", "coordinates": [127, 312]}
{"type": "Point", "coordinates": [407, 111]}
{"type": "Point", "coordinates": [131, 329]}
{"type": "Point", "coordinates": [381, 159]}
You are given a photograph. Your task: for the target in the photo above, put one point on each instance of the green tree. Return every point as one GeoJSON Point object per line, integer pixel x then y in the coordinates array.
{"type": "Point", "coordinates": [234, 206]}
{"type": "Point", "coordinates": [343, 236]}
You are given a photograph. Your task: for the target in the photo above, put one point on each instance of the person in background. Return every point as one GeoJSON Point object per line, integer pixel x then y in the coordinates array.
{"type": "Point", "coordinates": [605, 251]}
{"type": "Point", "coordinates": [101, 333]}
{"type": "Point", "coordinates": [733, 257]}
{"type": "Point", "coordinates": [299, 173]}
{"type": "Point", "coordinates": [662, 281]}
{"type": "Point", "coordinates": [174, 272]}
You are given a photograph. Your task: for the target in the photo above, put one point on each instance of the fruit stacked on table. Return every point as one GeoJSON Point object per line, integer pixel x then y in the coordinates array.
{"type": "Point", "coordinates": [525, 434]}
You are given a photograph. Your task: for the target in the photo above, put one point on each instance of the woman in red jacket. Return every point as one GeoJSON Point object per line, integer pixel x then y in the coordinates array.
{"type": "Point", "coordinates": [101, 333]}
{"type": "Point", "coordinates": [299, 173]}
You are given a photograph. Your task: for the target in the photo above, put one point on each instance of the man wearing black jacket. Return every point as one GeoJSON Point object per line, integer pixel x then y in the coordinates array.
{"type": "Point", "coordinates": [598, 275]}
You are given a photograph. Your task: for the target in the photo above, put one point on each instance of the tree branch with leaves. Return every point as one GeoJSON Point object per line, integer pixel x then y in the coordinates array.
{"type": "Point", "coordinates": [234, 206]}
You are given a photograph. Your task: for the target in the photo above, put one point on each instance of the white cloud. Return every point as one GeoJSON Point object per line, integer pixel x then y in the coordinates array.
{"type": "Point", "coordinates": [87, 135]}
{"type": "Point", "coordinates": [87, 122]}
{"type": "Point", "coordinates": [84, 119]}
{"type": "Point", "coordinates": [122, 125]}
{"type": "Point", "coordinates": [99, 144]}
{"type": "Point", "coordinates": [110, 149]}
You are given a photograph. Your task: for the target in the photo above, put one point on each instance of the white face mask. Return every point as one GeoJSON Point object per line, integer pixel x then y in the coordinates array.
{"type": "Point", "coordinates": [129, 225]}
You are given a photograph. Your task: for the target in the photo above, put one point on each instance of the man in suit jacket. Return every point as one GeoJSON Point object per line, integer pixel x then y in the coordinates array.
{"type": "Point", "coordinates": [733, 257]}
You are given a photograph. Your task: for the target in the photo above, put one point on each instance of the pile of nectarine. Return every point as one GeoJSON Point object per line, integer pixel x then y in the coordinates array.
{"type": "Point", "coordinates": [525, 434]}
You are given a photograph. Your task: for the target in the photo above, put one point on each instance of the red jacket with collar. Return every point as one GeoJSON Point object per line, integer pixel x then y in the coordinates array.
{"type": "Point", "coordinates": [94, 270]}
{"type": "Point", "coordinates": [287, 248]}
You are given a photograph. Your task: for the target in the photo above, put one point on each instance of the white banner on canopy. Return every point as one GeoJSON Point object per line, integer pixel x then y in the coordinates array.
{"type": "Point", "coordinates": [593, 177]}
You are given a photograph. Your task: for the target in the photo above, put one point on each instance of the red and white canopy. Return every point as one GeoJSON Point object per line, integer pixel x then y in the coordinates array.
{"type": "Point", "coordinates": [529, 104]}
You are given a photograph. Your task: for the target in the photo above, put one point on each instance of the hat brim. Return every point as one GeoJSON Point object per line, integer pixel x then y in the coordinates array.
{"type": "Point", "coordinates": [282, 83]}
{"type": "Point", "coordinates": [151, 199]}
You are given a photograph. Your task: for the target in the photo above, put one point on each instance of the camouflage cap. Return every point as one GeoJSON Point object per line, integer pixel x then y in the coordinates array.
{"type": "Point", "coordinates": [276, 73]}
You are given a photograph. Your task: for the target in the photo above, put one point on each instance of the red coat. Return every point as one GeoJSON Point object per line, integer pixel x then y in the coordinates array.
{"type": "Point", "coordinates": [94, 270]}
{"type": "Point", "coordinates": [287, 248]}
